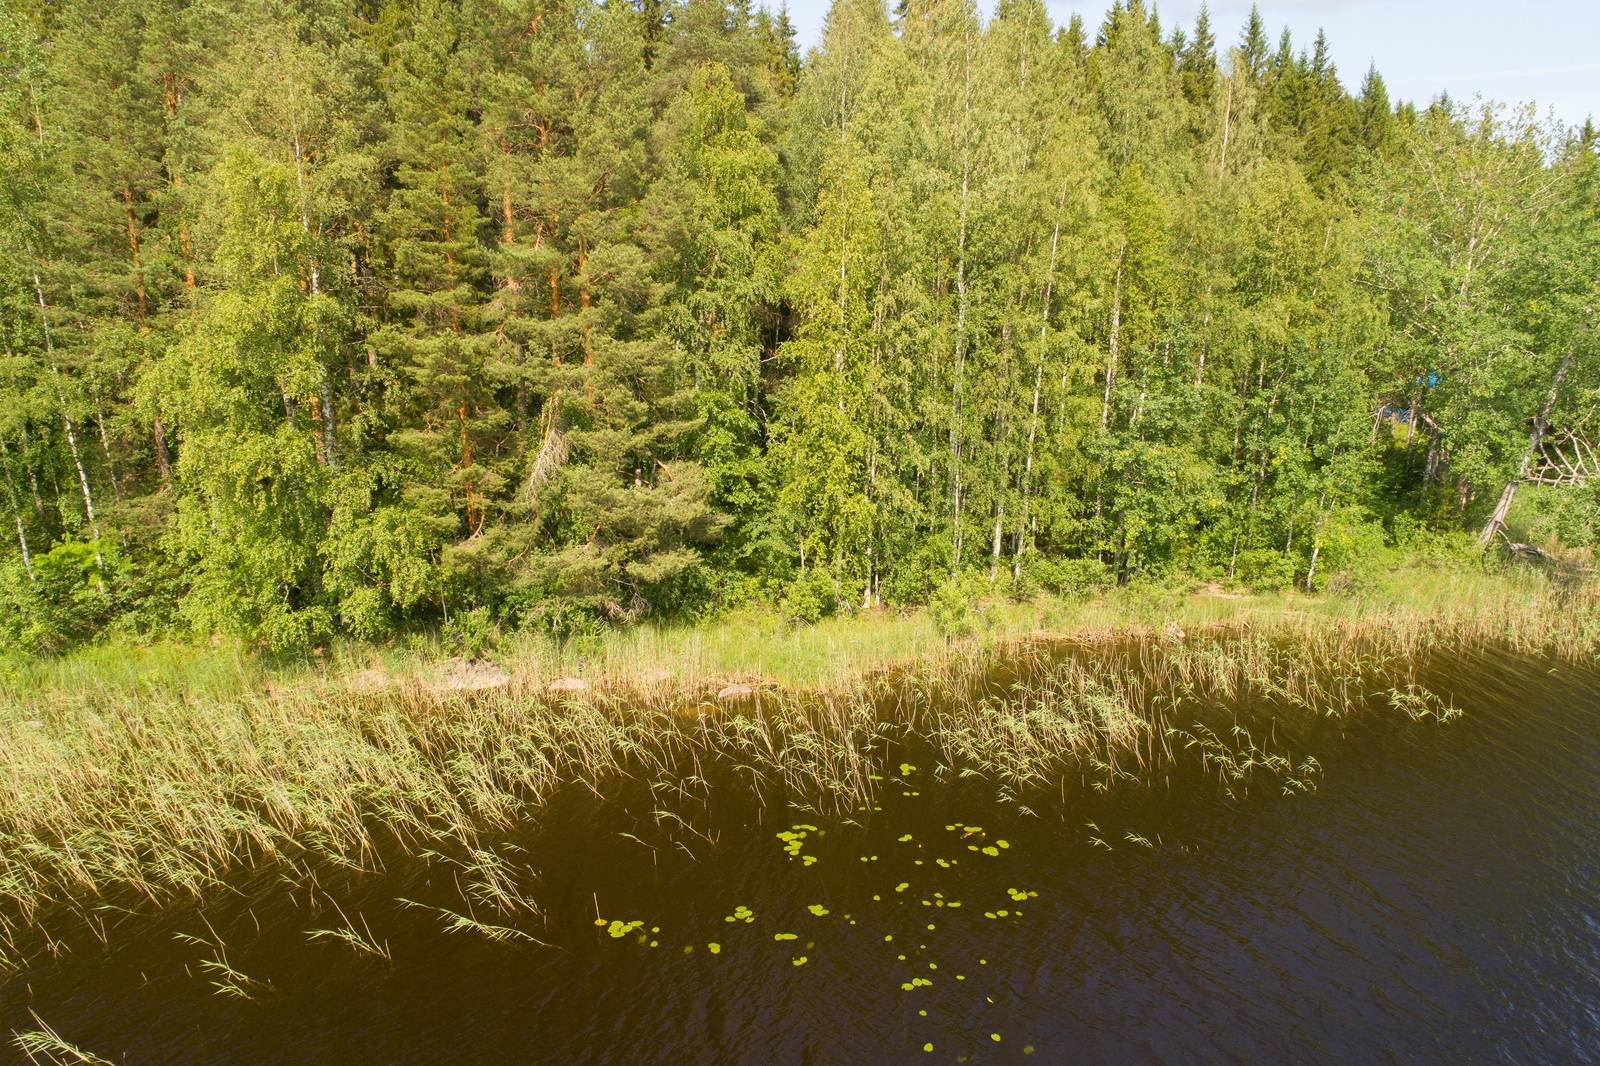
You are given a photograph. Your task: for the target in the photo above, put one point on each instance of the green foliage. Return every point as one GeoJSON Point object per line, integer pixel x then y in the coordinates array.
{"type": "Point", "coordinates": [1264, 569]}
{"type": "Point", "coordinates": [1557, 516]}
{"type": "Point", "coordinates": [330, 318]}
{"type": "Point", "coordinates": [810, 597]}
{"type": "Point", "coordinates": [69, 595]}
{"type": "Point", "coordinates": [961, 605]}
{"type": "Point", "coordinates": [470, 633]}
{"type": "Point", "coordinates": [1074, 578]}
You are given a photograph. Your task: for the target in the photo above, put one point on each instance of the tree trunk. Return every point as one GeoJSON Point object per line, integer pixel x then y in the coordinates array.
{"type": "Point", "coordinates": [1038, 378]}
{"type": "Point", "coordinates": [1497, 520]}
{"type": "Point", "coordinates": [163, 457]}
{"type": "Point", "coordinates": [1116, 329]}
{"type": "Point", "coordinates": [16, 512]}
{"type": "Point", "coordinates": [66, 419]}
{"type": "Point", "coordinates": [328, 456]}
{"type": "Point", "coordinates": [958, 380]}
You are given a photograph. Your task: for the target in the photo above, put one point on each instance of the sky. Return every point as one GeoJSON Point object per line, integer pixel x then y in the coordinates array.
{"type": "Point", "coordinates": [1508, 50]}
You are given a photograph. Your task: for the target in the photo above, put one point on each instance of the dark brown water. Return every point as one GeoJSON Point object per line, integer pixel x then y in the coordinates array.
{"type": "Point", "coordinates": [1436, 900]}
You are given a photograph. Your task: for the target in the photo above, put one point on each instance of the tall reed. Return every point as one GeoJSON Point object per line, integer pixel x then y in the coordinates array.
{"type": "Point", "coordinates": [167, 794]}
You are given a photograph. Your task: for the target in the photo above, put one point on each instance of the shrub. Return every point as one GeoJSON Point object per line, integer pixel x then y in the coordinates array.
{"type": "Point", "coordinates": [1071, 577]}
{"type": "Point", "coordinates": [1264, 569]}
{"type": "Point", "coordinates": [959, 606]}
{"type": "Point", "coordinates": [810, 597]}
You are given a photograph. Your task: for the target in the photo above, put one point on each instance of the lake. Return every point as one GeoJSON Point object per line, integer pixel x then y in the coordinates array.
{"type": "Point", "coordinates": [1432, 895]}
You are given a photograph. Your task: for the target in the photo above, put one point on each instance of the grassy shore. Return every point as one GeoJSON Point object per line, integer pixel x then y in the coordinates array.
{"type": "Point", "coordinates": [161, 771]}
{"type": "Point", "coordinates": [743, 646]}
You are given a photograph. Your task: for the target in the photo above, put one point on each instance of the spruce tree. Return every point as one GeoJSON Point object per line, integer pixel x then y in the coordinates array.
{"type": "Point", "coordinates": [436, 266]}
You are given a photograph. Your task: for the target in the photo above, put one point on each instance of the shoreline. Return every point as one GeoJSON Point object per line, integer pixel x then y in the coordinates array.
{"type": "Point", "coordinates": [167, 790]}
{"type": "Point", "coordinates": [744, 646]}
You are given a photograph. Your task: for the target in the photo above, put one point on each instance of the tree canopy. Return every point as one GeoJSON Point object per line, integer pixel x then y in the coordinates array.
{"type": "Point", "coordinates": [349, 315]}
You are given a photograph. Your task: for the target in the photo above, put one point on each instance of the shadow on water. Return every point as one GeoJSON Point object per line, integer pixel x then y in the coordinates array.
{"type": "Point", "coordinates": [1420, 890]}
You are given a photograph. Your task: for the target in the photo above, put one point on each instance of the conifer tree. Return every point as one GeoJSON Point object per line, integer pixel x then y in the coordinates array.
{"type": "Point", "coordinates": [350, 317]}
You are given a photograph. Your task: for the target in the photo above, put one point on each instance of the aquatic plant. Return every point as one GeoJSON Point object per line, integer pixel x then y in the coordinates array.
{"type": "Point", "coordinates": [44, 1045]}
{"type": "Point", "coordinates": [164, 793]}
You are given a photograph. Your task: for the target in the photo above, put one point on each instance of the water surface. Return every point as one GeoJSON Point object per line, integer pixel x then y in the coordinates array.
{"type": "Point", "coordinates": [1435, 900]}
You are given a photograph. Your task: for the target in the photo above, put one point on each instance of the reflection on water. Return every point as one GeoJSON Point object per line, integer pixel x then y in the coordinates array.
{"type": "Point", "coordinates": [1435, 899]}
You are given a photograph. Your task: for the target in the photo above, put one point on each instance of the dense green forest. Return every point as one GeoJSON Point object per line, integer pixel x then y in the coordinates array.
{"type": "Point", "coordinates": [363, 315]}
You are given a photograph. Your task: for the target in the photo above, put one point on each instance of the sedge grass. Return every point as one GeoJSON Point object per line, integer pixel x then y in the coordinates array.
{"type": "Point", "coordinates": [113, 783]}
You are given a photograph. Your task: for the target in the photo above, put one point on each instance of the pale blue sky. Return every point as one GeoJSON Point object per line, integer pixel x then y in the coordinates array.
{"type": "Point", "coordinates": [1540, 50]}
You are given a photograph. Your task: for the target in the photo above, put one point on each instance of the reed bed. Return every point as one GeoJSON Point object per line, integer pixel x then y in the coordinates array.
{"type": "Point", "coordinates": [168, 794]}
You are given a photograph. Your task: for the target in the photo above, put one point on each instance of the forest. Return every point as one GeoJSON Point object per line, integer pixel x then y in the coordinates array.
{"type": "Point", "coordinates": [364, 317]}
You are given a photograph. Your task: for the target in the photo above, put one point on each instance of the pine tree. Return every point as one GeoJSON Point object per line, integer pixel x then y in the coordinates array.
{"type": "Point", "coordinates": [437, 267]}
